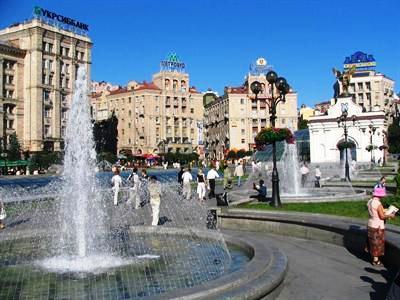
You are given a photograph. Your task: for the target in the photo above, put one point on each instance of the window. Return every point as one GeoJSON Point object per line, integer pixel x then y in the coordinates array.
{"type": "Point", "coordinates": [243, 132]}
{"type": "Point", "coordinates": [243, 141]}
{"type": "Point", "coordinates": [368, 97]}
{"type": "Point", "coordinates": [46, 95]}
{"type": "Point", "coordinates": [360, 86]}
{"type": "Point", "coordinates": [242, 101]}
{"type": "Point", "coordinates": [62, 131]}
{"type": "Point", "coordinates": [51, 79]}
{"type": "Point", "coordinates": [283, 121]}
{"type": "Point", "coordinates": [46, 130]}
{"type": "Point", "coordinates": [368, 86]}
{"type": "Point", "coordinates": [192, 110]}
{"type": "Point", "coordinates": [157, 120]}
{"type": "Point", "coordinates": [123, 131]}
{"type": "Point", "coordinates": [361, 97]}
{"type": "Point", "coordinates": [47, 113]}
{"type": "Point", "coordinates": [157, 109]}
{"type": "Point", "coordinates": [129, 112]}
{"type": "Point", "coordinates": [129, 101]}
{"type": "Point", "coordinates": [242, 121]}
{"type": "Point", "coordinates": [156, 98]}
{"type": "Point", "coordinates": [129, 125]}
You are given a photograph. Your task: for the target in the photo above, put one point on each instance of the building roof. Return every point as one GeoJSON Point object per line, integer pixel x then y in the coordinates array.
{"type": "Point", "coordinates": [96, 95]}
{"type": "Point", "coordinates": [147, 86]}
{"type": "Point", "coordinates": [193, 90]}
{"type": "Point", "coordinates": [121, 90]}
{"type": "Point", "coordinates": [236, 90]}
{"type": "Point", "coordinates": [323, 103]}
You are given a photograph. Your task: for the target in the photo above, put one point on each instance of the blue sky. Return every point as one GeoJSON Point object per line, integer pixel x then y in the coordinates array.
{"type": "Point", "coordinates": [302, 39]}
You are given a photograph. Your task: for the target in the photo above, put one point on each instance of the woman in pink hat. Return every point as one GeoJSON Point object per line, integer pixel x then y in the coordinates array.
{"type": "Point", "coordinates": [376, 225]}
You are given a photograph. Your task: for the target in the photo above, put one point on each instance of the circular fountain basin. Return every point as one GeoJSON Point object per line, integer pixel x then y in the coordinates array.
{"type": "Point", "coordinates": [197, 264]}
{"type": "Point", "coordinates": [325, 194]}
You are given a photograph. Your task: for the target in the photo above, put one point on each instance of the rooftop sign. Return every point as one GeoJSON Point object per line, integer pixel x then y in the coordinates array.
{"type": "Point", "coordinates": [51, 16]}
{"type": "Point", "coordinates": [172, 63]}
{"type": "Point", "coordinates": [260, 67]}
{"type": "Point", "coordinates": [361, 61]}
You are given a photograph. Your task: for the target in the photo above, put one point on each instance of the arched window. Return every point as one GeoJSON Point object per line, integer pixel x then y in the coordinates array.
{"type": "Point", "coordinates": [167, 84]}
{"type": "Point", "coordinates": [183, 85]}
{"type": "Point", "coordinates": [175, 84]}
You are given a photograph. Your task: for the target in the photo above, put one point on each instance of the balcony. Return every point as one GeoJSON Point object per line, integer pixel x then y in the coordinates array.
{"type": "Point", "coordinates": [10, 116]}
{"type": "Point", "coordinates": [48, 102]}
{"type": "Point", "coordinates": [64, 105]}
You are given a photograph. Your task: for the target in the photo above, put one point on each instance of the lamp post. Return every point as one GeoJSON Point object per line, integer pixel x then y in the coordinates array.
{"type": "Point", "coordinates": [372, 130]}
{"type": "Point", "coordinates": [342, 122]}
{"type": "Point", "coordinates": [278, 88]}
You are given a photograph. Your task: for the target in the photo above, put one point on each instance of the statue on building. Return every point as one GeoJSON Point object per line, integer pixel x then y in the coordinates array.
{"type": "Point", "coordinates": [342, 78]}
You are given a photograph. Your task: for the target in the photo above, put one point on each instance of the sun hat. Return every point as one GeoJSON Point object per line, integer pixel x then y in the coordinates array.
{"type": "Point", "coordinates": [379, 192]}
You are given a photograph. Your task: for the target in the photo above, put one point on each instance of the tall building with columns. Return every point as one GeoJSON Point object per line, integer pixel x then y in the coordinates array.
{"type": "Point", "coordinates": [164, 115]}
{"type": "Point", "coordinates": [44, 84]}
{"type": "Point", "coordinates": [233, 120]}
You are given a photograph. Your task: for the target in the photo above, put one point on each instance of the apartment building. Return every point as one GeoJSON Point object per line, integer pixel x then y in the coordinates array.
{"type": "Point", "coordinates": [233, 120]}
{"type": "Point", "coordinates": [155, 117]}
{"type": "Point", "coordinates": [45, 81]}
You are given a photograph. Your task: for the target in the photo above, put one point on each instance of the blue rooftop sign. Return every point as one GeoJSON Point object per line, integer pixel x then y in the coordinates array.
{"type": "Point", "coordinates": [361, 61]}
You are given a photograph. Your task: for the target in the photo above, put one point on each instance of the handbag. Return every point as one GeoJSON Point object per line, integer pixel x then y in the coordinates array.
{"type": "Point", "coordinates": [3, 214]}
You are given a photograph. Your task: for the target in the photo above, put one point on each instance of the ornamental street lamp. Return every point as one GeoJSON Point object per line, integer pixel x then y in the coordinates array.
{"type": "Point", "coordinates": [372, 130]}
{"type": "Point", "coordinates": [342, 122]}
{"type": "Point", "coordinates": [278, 89]}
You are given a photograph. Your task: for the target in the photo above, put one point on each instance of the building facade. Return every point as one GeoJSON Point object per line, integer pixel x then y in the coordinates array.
{"type": "Point", "coordinates": [369, 88]}
{"type": "Point", "coordinates": [161, 116]}
{"type": "Point", "coordinates": [11, 92]}
{"type": "Point", "coordinates": [48, 72]}
{"type": "Point", "coordinates": [368, 130]}
{"type": "Point", "coordinates": [234, 119]}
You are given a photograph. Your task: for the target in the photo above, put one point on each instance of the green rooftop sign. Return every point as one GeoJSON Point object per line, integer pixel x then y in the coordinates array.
{"type": "Point", "coordinates": [172, 63]}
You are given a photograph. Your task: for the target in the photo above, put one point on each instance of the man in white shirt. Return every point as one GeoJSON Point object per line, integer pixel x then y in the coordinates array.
{"type": "Point", "coordinates": [116, 182]}
{"type": "Point", "coordinates": [211, 175]}
{"type": "Point", "coordinates": [133, 180]}
{"type": "Point", "coordinates": [186, 179]}
{"type": "Point", "coordinates": [318, 175]}
{"type": "Point", "coordinates": [304, 174]}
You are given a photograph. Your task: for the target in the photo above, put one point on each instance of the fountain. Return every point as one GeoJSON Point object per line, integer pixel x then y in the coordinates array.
{"type": "Point", "coordinates": [290, 188]}
{"type": "Point", "coordinates": [69, 241]}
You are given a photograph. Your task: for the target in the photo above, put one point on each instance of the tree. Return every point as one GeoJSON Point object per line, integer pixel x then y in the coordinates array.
{"type": "Point", "coordinates": [394, 136]}
{"type": "Point", "coordinates": [241, 153]}
{"type": "Point", "coordinates": [303, 124]}
{"type": "Point", "coordinates": [105, 135]}
{"type": "Point", "coordinates": [231, 154]}
{"type": "Point", "coordinates": [14, 148]}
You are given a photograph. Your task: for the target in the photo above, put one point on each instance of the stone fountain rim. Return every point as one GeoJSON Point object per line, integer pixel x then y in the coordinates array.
{"type": "Point", "coordinates": [261, 276]}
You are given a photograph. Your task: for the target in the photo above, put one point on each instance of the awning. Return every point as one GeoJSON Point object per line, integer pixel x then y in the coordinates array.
{"type": "Point", "coordinates": [14, 163]}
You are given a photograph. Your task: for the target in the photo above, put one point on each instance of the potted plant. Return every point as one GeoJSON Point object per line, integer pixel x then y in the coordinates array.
{"type": "Point", "coordinates": [270, 135]}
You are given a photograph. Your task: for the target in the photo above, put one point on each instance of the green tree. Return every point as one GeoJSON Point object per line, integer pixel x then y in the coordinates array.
{"type": "Point", "coordinates": [231, 154]}
{"type": "Point", "coordinates": [105, 135]}
{"type": "Point", "coordinates": [14, 148]}
{"type": "Point", "coordinates": [241, 153]}
{"type": "Point", "coordinates": [303, 124]}
{"type": "Point", "coordinates": [394, 136]}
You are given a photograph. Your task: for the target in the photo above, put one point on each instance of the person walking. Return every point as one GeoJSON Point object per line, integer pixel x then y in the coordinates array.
{"type": "Point", "coordinates": [318, 175]}
{"type": "Point", "coordinates": [201, 186]}
{"type": "Point", "coordinates": [211, 176]}
{"type": "Point", "coordinates": [376, 226]}
{"type": "Point", "coordinates": [155, 199]}
{"type": "Point", "coordinates": [187, 189]}
{"type": "Point", "coordinates": [134, 182]}
{"type": "Point", "coordinates": [180, 180]}
{"type": "Point", "coordinates": [227, 178]}
{"type": "Point", "coordinates": [304, 174]}
{"type": "Point", "coordinates": [143, 190]}
{"type": "Point", "coordinates": [3, 215]}
{"type": "Point", "coordinates": [239, 172]}
{"type": "Point", "coordinates": [116, 182]}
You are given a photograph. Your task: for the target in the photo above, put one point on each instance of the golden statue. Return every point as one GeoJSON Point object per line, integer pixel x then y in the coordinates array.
{"type": "Point", "coordinates": [344, 78]}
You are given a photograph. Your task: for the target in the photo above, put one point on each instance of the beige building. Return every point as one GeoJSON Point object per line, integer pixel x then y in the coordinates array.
{"type": "Point", "coordinates": [306, 112]}
{"type": "Point", "coordinates": [45, 80]}
{"type": "Point", "coordinates": [11, 92]}
{"type": "Point", "coordinates": [155, 117]}
{"type": "Point", "coordinates": [370, 89]}
{"type": "Point", "coordinates": [233, 120]}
